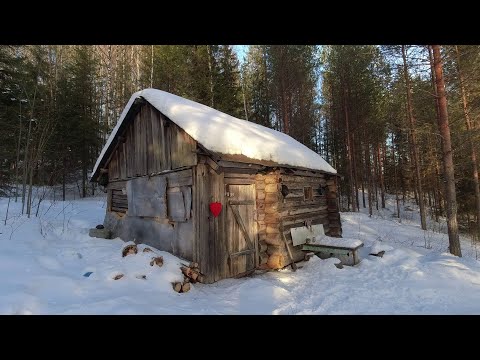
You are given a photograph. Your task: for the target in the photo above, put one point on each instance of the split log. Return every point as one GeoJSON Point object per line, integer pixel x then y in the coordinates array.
{"type": "Point", "coordinates": [187, 271]}
{"type": "Point", "coordinates": [194, 265]}
{"type": "Point", "coordinates": [157, 261]}
{"type": "Point", "coordinates": [147, 250]}
{"type": "Point", "coordinates": [177, 286]}
{"type": "Point", "coordinates": [118, 277]}
{"type": "Point", "coordinates": [129, 250]}
{"type": "Point", "coordinates": [186, 287]}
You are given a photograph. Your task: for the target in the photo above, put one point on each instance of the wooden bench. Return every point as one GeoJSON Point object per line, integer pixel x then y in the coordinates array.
{"type": "Point", "coordinates": [346, 250]}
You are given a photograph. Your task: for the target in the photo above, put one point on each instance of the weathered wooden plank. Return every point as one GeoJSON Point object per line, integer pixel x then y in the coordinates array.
{"type": "Point", "coordinates": [165, 142]}
{"type": "Point", "coordinates": [239, 175]}
{"type": "Point", "coordinates": [118, 209]}
{"type": "Point", "coordinates": [296, 187]}
{"type": "Point", "coordinates": [119, 201]}
{"type": "Point", "coordinates": [147, 196]}
{"type": "Point", "coordinates": [300, 219]}
{"type": "Point", "coordinates": [208, 160]}
{"type": "Point", "coordinates": [187, 197]}
{"type": "Point", "coordinates": [175, 205]}
{"type": "Point", "coordinates": [122, 160]}
{"type": "Point", "coordinates": [241, 202]}
{"type": "Point", "coordinates": [232, 164]}
{"type": "Point", "coordinates": [236, 232]}
{"type": "Point", "coordinates": [138, 171]}
{"type": "Point", "coordinates": [306, 173]}
{"type": "Point", "coordinates": [182, 147]}
{"type": "Point", "coordinates": [243, 171]}
{"type": "Point", "coordinates": [221, 251]}
{"type": "Point", "coordinates": [117, 185]}
{"type": "Point", "coordinates": [179, 181]}
{"type": "Point", "coordinates": [296, 202]}
{"type": "Point", "coordinates": [303, 210]}
{"type": "Point", "coordinates": [202, 253]}
{"type": "Point", "coordinates": [109, 199]}
{"type": "Point", "coordinates": [113, 167]}
{"type": "Point", "coordinates": [237, 181]}
{"type": "Point", "coordinates": [243, 252]}
{"type": "Point", "coordinates": [152, 142]}
{"type": "Point", "coordinates": [130, 151]}
{"type": "Point", "coordinates": [243, 229]}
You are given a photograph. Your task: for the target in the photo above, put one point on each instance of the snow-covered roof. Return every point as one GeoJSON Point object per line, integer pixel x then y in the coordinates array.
{"type": "Point", "coordinates": [225, 134]}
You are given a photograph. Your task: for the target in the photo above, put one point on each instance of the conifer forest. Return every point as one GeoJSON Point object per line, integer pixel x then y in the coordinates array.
{"type": "Point", "coordinates": [392, 119]}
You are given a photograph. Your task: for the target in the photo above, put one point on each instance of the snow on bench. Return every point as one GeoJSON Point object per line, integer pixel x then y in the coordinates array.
{"type": "Point", "coordinates": [344, 249]}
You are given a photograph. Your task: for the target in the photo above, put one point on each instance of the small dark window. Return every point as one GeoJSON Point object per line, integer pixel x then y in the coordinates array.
{"type": "Point", "coordinates": [285, 190]}
{"type": "Point", "coordinates": [307, 193]}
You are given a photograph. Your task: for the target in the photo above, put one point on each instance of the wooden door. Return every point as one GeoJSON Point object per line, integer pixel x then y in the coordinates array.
{"type": "Point", "coordinates": [241, 229]}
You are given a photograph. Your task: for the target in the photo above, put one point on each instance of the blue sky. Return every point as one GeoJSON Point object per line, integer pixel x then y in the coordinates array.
{"type": "Point", "coordinates": [241, 51]}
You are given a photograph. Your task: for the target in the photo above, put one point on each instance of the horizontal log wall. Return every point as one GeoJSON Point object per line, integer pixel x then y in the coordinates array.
{"type": "Point", "coordinates": [276, 211]}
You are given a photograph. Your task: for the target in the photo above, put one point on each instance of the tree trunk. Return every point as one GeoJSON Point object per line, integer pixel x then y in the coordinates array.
{"type": "Point", "coordinates": [30, 188]}
{"type": "Point", "coordinates": [380, 173]}
{"type": "Point", "coordinates": [349, 150]}
{"type": "Point", "coordinates": [63, 178]}
{"type": "Point", "coordinates": [369, 177]}
{"type": "Point", "coordinates": [355, 182]}
{"type": "Point", "coordinates": [210, 74]}
{"type": "Point", "coordinates": [473, 155]}
{"type": "Point", "coordinates": [397, 199]}
{"type": "Point", "coordinates": [18, 152]}
{"type": "Point", "coordinates": [411, 118]}
{"type": "Point", "coordinates": [444, 129]}
{"type": "Point", "coordinates": [438, 203]}
{"type": "Point", "coordinates": [25, 166]}
{"type": "Point", "coordinates": [375, 176]}
{"type": "Point", "coordinates": [151, 70]}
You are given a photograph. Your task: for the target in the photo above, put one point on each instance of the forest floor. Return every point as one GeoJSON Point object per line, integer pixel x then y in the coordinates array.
{"type": "Point", "coordinates": [44, 259]}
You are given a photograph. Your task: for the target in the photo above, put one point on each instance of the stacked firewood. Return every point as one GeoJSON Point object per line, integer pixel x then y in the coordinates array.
{"type": "Point", "coordinates": [191, 275]}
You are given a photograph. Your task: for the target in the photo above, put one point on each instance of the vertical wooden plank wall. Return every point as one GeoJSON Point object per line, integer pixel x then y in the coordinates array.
{"type": "Point", "coordinates": [150, 144]}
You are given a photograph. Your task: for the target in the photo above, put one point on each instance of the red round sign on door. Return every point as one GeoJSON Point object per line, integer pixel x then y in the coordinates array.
{"type": "Point", "coordinates": [215, 208]}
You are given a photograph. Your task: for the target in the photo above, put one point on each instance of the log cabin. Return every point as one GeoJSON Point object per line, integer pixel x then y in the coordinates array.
{"type": "Point", "coordinates": [211, 188]}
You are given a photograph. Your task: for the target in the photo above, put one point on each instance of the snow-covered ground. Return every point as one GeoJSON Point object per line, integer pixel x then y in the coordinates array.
{"type": "Point", "coordinates": [43, 261]}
